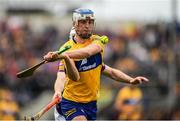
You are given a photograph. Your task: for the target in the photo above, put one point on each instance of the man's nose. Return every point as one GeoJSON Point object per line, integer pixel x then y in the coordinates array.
{"type": "Point", "coordinates": [87, 24]}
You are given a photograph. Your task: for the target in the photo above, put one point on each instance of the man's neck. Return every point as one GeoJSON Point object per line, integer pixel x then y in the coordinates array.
{"type": "Point", "coordinates": [79, 39]}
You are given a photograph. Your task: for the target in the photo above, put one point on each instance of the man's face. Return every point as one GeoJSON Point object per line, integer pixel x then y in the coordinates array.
{"type": "Point", "coordinates": [84, 28]}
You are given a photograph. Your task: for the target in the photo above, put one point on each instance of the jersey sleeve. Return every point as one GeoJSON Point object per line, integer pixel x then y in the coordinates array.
{"type": "Point", "coordinates": [61, 66]}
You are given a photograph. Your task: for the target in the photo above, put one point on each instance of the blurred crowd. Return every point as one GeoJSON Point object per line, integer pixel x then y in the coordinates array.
{"type": "Point", "coordinates": [149, 49]}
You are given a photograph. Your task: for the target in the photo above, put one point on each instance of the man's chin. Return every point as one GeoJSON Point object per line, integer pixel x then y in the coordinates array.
{"type": "Point", "coordinates": [85, 36]}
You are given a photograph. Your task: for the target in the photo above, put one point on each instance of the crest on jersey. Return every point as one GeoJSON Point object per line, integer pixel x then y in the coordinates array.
{"type": "Point", "coordinates": [84, 61]}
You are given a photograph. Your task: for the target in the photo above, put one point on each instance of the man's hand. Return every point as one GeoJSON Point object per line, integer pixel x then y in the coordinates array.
{"type": "Point", "coordinates": [139, 80]}
{"type": "Point", "coordinates": [54, 56]}
{"type": "Point", "coordinates": [51, 56]}
{"type": "Point", "coordinates": [56, 94]}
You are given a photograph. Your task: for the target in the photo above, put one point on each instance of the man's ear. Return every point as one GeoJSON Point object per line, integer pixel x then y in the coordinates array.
{"type": "Point", "coordinates": [75, 25]}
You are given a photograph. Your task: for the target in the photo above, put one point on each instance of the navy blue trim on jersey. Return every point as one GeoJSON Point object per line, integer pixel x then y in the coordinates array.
{"type": "Point", "coordinates": [89, 63]}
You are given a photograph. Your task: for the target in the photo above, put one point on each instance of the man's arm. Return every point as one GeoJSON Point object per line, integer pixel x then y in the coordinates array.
{"type": "Point", "coordinates": [92, 49]}
{"type": "Point", "coordinates": [81, 53]}
{"type": "Point", "coordinates": [85, 52]}
{"type": "Point", "coordinates": [119, 76]}
{"type": "Point", "coordinates": [61, 76]}
{"type": "Point", "coordinates": [71, 69]}
{"type": "Point", "coordinates": [59, 84]}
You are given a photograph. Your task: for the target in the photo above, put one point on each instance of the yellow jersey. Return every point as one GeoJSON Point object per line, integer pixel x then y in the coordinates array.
{"type": "Point", "coordinates": [87, 88]}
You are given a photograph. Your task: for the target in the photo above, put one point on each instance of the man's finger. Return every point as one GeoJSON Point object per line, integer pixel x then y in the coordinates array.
{"type": "Point", "coordinates": [51, 56]}
{"type": "Point", "coordinates": [47, 56]}
{"type": "Point", "coordinates": [140, 81]}
{"type": "Point", "coordinates": [145, 79]}
{"type": "Point", "coordinates": [46, 61]}
{"type": "Point", "coordinates": [131, 81]}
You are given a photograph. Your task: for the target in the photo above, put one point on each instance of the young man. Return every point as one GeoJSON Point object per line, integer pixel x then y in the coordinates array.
{"type": "Point", "coordinates": [80, 87]}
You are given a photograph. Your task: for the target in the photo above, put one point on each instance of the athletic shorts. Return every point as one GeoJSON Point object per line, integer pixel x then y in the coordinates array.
{"type": "Point", "coordinates": [57, 116]}
{"type": "Point", "coordinates": [58, 108]}
{"type": "Point", "coordinates": [72, 109]}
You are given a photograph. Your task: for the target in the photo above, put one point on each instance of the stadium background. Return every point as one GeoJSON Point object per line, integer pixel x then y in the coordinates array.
{"type": "Point", "coordinates": [144, 40]}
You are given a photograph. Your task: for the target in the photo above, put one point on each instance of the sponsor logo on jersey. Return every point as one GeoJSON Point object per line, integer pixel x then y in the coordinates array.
{"type": "Point", "coordinates": [89, 63]}
{"type": "Point", "coordinates": [84, 61]}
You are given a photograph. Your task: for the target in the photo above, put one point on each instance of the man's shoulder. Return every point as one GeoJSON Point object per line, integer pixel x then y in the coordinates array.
{"type": "Point", "coordinates": [95, 37]}
{"type": "Point", "coordinates": [100, 39]}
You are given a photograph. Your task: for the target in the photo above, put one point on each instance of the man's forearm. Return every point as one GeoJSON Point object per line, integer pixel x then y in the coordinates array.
{"type": "Point", "coordinates": [58, 87]}
{"type": "Point", "coordinates": [116, 75]}
{"type": "Point", "coordinates": [78, 54]}
{"type": "Point", "coordinates": [59, 83]}
{"type": "Point", "coordinates": [84, 52]}
{"type": "Point", "coordinates": [120, 76]}
{"type": "Point", "coordinates": [71, 69]}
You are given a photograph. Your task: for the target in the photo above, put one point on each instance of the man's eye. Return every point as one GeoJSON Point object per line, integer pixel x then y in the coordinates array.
{"type": "Point", "coordinates": [91, 22]}
{"type": "Point", "coordinates": [86, 21]}
{"type": "Point", "coordinates": [83, 21]}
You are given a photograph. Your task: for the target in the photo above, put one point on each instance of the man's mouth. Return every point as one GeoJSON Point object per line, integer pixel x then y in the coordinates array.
{"type": "Point", "coordinates": [86, 30]}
